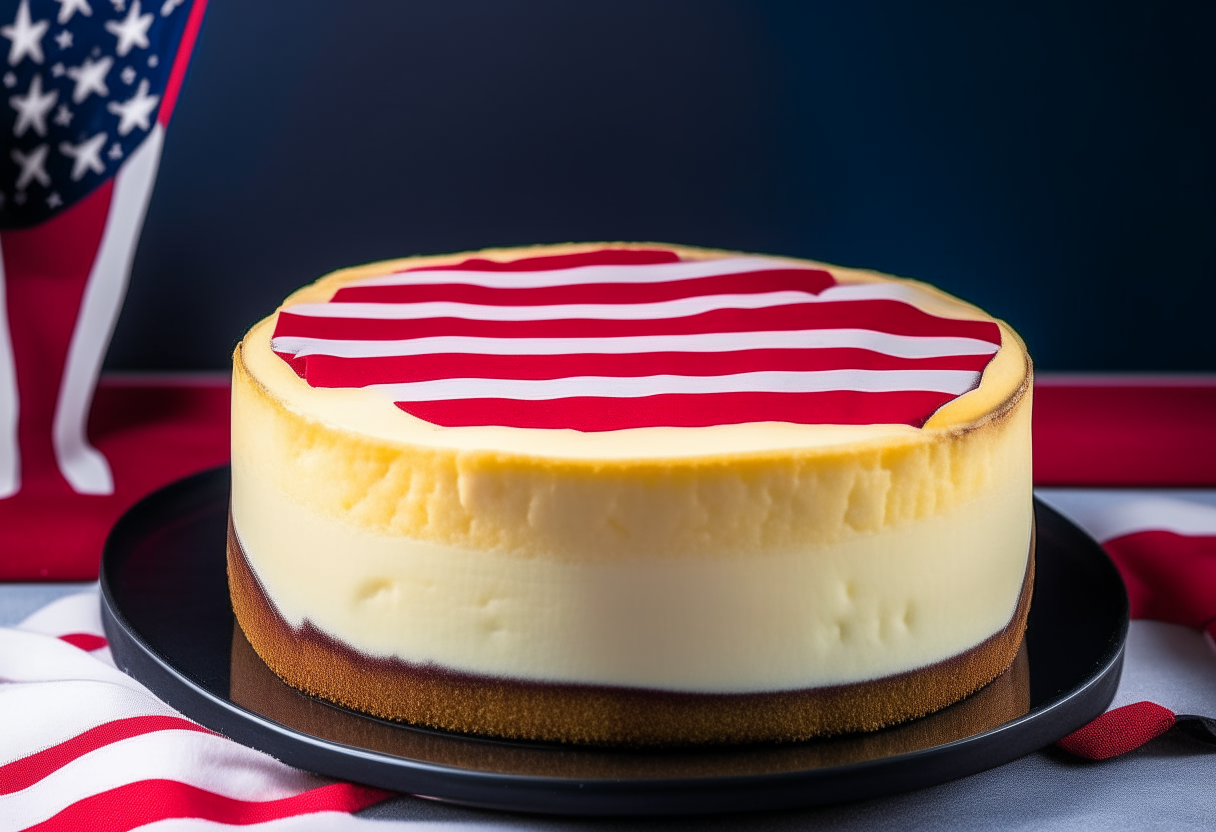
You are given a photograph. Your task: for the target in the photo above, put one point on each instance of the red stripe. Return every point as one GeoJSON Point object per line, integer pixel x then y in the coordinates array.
{"type": "Point", "coordinates": [588, 413]}
{"type": "Point", "coordinates": [748, 283]}
{"type": "Point", "coordinates": [1169, 577]}
{"type": "Point", "coordinates": [85, 641]}
{"type": "Point", "coordinates": [330, 371]}
{"type": "Point", "coordinates": [181, 60]}
{"type": "Point", "coordinates": [1119, 731]}
{"type": "Point", "coordinates": [548, 262]}
{"type": "Point", "coordinates": [27, 771]}
{"type": "Point", "coordinates": [888, 316]}
{"type": "Point", "coordinates": [148, 801]}
{"type": "Point", "coordinates": [1163, 434]}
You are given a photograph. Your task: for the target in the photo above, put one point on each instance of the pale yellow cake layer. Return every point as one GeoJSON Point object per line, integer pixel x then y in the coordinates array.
{"type": "Point", "coordinates": [858, 608]}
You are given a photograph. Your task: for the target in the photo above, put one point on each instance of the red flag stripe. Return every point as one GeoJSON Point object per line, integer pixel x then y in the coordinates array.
{"type": "Point", "coordinates": [891, 317]}
{"type": "Point", "coordinates": [684, 410]}
{"type": "Point", "coordinates": [330, 371]}
{"type": "Point", "coordinates": [774, 280]}
{"type": "Point", "coordinates": [546, 262]}
{"type": "Point", "coordinates": [1169, 576]}
{"type": "Point", "coordinates": [25, 772]}
{"type": "Point", "coordinates": [148, 801]}
{"type": "Point", "coordinates": [85, 641]}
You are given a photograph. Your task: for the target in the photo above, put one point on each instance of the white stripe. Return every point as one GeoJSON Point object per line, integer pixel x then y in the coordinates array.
{"type": "Point", "coordinates": [82, 465]}
{"type": "Point", "coordinates": [583, 275]}
{"type": "Point", "coordinates": [900, 346]}
{"type": "Point", "coordinates": [34, 657]}
{"type": "Point", "coordinates": [1108, 515]}
{"type": "Point", "coordinates": [10, 453]}
{"type": "Point", "coordinates": [868, 381]}
{"type": "Point", "coordinates": [661, 310]}
{"type": "Point", "coordinates": [205, 761]}
{"type": "Point", "coordinates": [38, 715]}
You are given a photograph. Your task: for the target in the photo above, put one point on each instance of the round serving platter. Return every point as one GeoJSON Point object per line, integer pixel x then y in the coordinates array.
{"type": "Point", "coordinates": [168, 619]}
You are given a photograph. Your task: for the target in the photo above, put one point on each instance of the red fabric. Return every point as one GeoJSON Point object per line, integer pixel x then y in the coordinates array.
{"type": "Point", "coordinates": [85, 641]}
{"type": "Point", "coordinates": [46, 269]}
{"type": "Point", "coordinates": [151, 434]}
{"type": "Point", "coordinates": [1119, 731]}
{"type": "Point", "coordinates": [1133, 434]}
{"type": "Point", "coordinates": [148, 801]}
{"type": "Point", "coordinates": [1169, 577]}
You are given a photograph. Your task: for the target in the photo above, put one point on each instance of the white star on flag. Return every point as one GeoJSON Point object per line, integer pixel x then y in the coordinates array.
{"type": "Point", "coordinates": [67, 8]}
{"type": "Point", "coordinates": [64, 40]}
{"type": "Point", "coordinates": [54, 201]}
{"type": "Point", "coordinates": [134, 112]}
{"type": "Point", "coordinates": [63, 116]}
{"type": "Point", "coordinates": [25, 35]}
{"type": "Point", "coordinates": [128, 75]}
{"type": "Point", "coordinates": [90, 77]}
{"type": "Point", "coordinates": [85, 156]}
{"type": "Point", "coordinates": [133, 31]}
{"type": "Point", "coordinates": [10, 80]}
{"type": "Point", "coordinates": [33, 167]}
{"type": "Point", "coordinates": [32, 109]}
{"type": "Point", "coordinates": [58, 69]}
{"type": "Point", "coordinates": [115, 151]}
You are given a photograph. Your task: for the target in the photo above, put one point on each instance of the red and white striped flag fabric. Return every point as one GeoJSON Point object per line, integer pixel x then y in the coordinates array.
{"type": "Point", "coordinates": [626, 338]}
{"type": "Point", "coordinates": [85, 747]}
{"type": "Point", "coordinates": [1165, 549]}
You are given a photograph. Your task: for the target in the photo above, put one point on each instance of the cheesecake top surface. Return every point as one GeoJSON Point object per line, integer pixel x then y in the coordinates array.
{"type": "Point", "coordinates": [618, 350]}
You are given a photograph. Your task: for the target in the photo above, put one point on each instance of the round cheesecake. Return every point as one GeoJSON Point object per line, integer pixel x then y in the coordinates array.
{"type": "Point", "coordinates": [631, 494]}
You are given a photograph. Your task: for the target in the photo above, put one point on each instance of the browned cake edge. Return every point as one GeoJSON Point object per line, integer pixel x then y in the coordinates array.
{"type": "Point", "coordinates": [316, 663]}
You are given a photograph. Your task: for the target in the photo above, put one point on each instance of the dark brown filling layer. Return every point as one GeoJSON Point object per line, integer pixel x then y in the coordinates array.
{"type": "Point", "coordinates": [319, 664]}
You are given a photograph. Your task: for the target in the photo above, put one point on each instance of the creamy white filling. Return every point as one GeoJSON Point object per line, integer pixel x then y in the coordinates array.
{"type": "Point", "coordinates": [864, 607]}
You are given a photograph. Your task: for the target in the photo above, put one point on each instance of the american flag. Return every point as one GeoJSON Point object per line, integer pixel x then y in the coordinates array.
{"type": "Point", "coordinates": [88, 89]}
{"type": "Point", "coordinates": [631, 338]}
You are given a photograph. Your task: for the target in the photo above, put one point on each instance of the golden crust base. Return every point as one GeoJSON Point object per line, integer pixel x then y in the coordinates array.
{"type": "Point", "coordinates": [318, 664]}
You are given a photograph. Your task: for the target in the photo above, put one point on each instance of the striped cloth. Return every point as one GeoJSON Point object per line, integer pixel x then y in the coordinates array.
{"type": "Point", "coordinates": [83, 746]}
{"type": "Point", "coordinates": [617, 339]}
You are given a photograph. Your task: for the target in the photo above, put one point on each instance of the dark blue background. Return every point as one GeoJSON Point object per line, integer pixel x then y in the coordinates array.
{"type": "Point", "coordinates": [1052, 162]}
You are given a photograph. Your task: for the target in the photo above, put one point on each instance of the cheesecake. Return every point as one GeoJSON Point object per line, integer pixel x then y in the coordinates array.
{"type": "Point", "coordinates": [631, 494]}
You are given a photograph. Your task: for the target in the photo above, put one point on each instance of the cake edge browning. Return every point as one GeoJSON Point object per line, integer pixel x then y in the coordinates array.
{"type": "Point", "coordinates": [318, 664]}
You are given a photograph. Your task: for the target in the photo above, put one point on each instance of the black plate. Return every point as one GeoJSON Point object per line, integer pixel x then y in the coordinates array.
{"type": "Point", "coordinates": [167, 616]}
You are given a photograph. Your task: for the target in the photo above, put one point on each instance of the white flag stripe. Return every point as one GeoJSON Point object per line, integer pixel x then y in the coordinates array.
{"type": "Point", "coordinates": [583, 275]}
{"type": "Point", "coordinates": [77, 613]}
{"type": "Point", "coordinates": [34, 657]}
{"type": "Point", "coordinates": [205, 761]}
{"type": "Point", "coordinates": [77, 706]}
{"type": "Point", "coordinates": [1107, 517]}
{"type": "Point", "coordinates": [661, 310]}
{"type": "Point", "coordinates": [899, 346]}
{"type": "Point", "coordinates": [819, 381]}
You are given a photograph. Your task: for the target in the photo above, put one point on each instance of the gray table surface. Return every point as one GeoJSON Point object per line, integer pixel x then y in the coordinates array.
{"type": "Point", "coordinates": [1168, 784]}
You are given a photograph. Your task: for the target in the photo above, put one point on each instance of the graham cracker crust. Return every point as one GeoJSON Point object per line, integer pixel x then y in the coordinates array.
{"type": "Point", "coordinates": [427, 695]}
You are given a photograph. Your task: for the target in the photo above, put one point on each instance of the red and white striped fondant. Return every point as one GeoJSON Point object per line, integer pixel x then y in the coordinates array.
{"type": "Point", "coordinates": [616, 339]}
